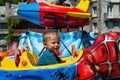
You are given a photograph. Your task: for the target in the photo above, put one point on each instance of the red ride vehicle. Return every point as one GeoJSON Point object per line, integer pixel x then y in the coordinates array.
{"type": "Point", "coordinates": [102, 59]}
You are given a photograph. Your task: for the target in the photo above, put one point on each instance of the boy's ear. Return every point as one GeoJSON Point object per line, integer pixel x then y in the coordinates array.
{"type": "Point", "coordinates": [44, 43]}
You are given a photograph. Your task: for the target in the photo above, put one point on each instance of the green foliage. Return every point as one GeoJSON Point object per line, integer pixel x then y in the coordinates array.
{"type": "Point", "coordinates": [12, 37]}
{"type": "Point", "coordinates": [23, 0]}
{"type": "Point", "coordinates": [12, 23]}
{"type": "Point", "coordinates": [2, 2]}
{"type": "Point", "coordinates": [14, 1]}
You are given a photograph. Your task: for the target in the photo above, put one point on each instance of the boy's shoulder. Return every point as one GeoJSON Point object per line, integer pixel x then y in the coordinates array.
{"type": "Point", "coordinates": [47, 54]}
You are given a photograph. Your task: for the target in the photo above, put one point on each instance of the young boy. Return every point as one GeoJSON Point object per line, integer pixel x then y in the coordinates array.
{"type": "Point", "coordinates": [51, 41]}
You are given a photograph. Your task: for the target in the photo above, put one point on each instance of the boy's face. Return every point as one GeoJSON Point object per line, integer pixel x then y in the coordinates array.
{"type": "Point", "coordinates": [53, 44]}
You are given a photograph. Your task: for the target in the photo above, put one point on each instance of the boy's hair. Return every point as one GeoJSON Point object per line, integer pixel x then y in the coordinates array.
{"type": "Point", "coordinates": [47, 35]}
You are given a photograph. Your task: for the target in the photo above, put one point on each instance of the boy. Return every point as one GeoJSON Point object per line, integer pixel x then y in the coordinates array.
{"type": "Point", "coordinates": [51, 41]}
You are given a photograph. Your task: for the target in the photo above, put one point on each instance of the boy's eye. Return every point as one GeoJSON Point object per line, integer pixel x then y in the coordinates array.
{"type": "Point", "coordinates": [53, 42]}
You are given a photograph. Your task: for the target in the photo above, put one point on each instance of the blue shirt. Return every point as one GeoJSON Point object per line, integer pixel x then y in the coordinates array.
{"type": "Point", "coordinates": [48, 58]}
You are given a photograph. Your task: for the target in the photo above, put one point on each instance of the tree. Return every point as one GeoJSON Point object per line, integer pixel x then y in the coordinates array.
{"type": "Point", "coordinates": [14, 1]}
{"type": "Point", "coordinates": [12, 23]}
{"type": "Point", "coordinates": [2, 2]}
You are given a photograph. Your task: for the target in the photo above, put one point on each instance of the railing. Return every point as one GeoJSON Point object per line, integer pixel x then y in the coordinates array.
{"type": "Point", "coordinates": [3, 31]}
{"type": "Point", "coordinates": [114, 16]}
{"type": "Point", "coordinates": [19, 31]}
{"type": "Point", "coordinates": [115, 1]}
{"type": "Point", "coordinates": [25, 30]}
{"type": "Point", "coordinates": [108, 16]}
{"type": "Point", "coordinates": [93, 0]}
{"type": "Point", "coordinates": [64, 30]}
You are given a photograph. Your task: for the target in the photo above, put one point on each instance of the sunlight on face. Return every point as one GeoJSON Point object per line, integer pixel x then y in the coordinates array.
{"type": "Point", "coordinates": [53, 44]}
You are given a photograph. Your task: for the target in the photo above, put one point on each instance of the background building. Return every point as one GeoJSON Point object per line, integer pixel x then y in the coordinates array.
{"type": "Point", "coordinates": [6, 10]}
{"type": "Point", "coordinates": [105, 15]}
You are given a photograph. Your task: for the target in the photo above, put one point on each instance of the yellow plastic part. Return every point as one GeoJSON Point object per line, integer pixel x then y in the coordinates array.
{"type": "Point", "coordinates": [26, 64]}
{"type": "Point", "coordinates": [83, 5]}
{"type": "Point", "coordinates": [7, 63]}
{"type": "Point", "coordinates": [79, 15]}
{"type": "Point", "coordinates": [27, 59]}
{"type": "Point", "coordinates": [97, 67]}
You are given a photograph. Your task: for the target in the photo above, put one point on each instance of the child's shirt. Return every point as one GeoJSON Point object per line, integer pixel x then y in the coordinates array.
{"type": "Point", "coordinates": [48, 58]}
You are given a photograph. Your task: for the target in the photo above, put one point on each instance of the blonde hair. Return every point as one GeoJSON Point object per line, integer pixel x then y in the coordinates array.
{"type": "Point", "coordinates": [47, 35]}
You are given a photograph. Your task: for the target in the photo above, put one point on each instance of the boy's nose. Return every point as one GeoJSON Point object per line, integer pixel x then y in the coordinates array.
{"type": "Point", "coordinates": [56, 44]}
